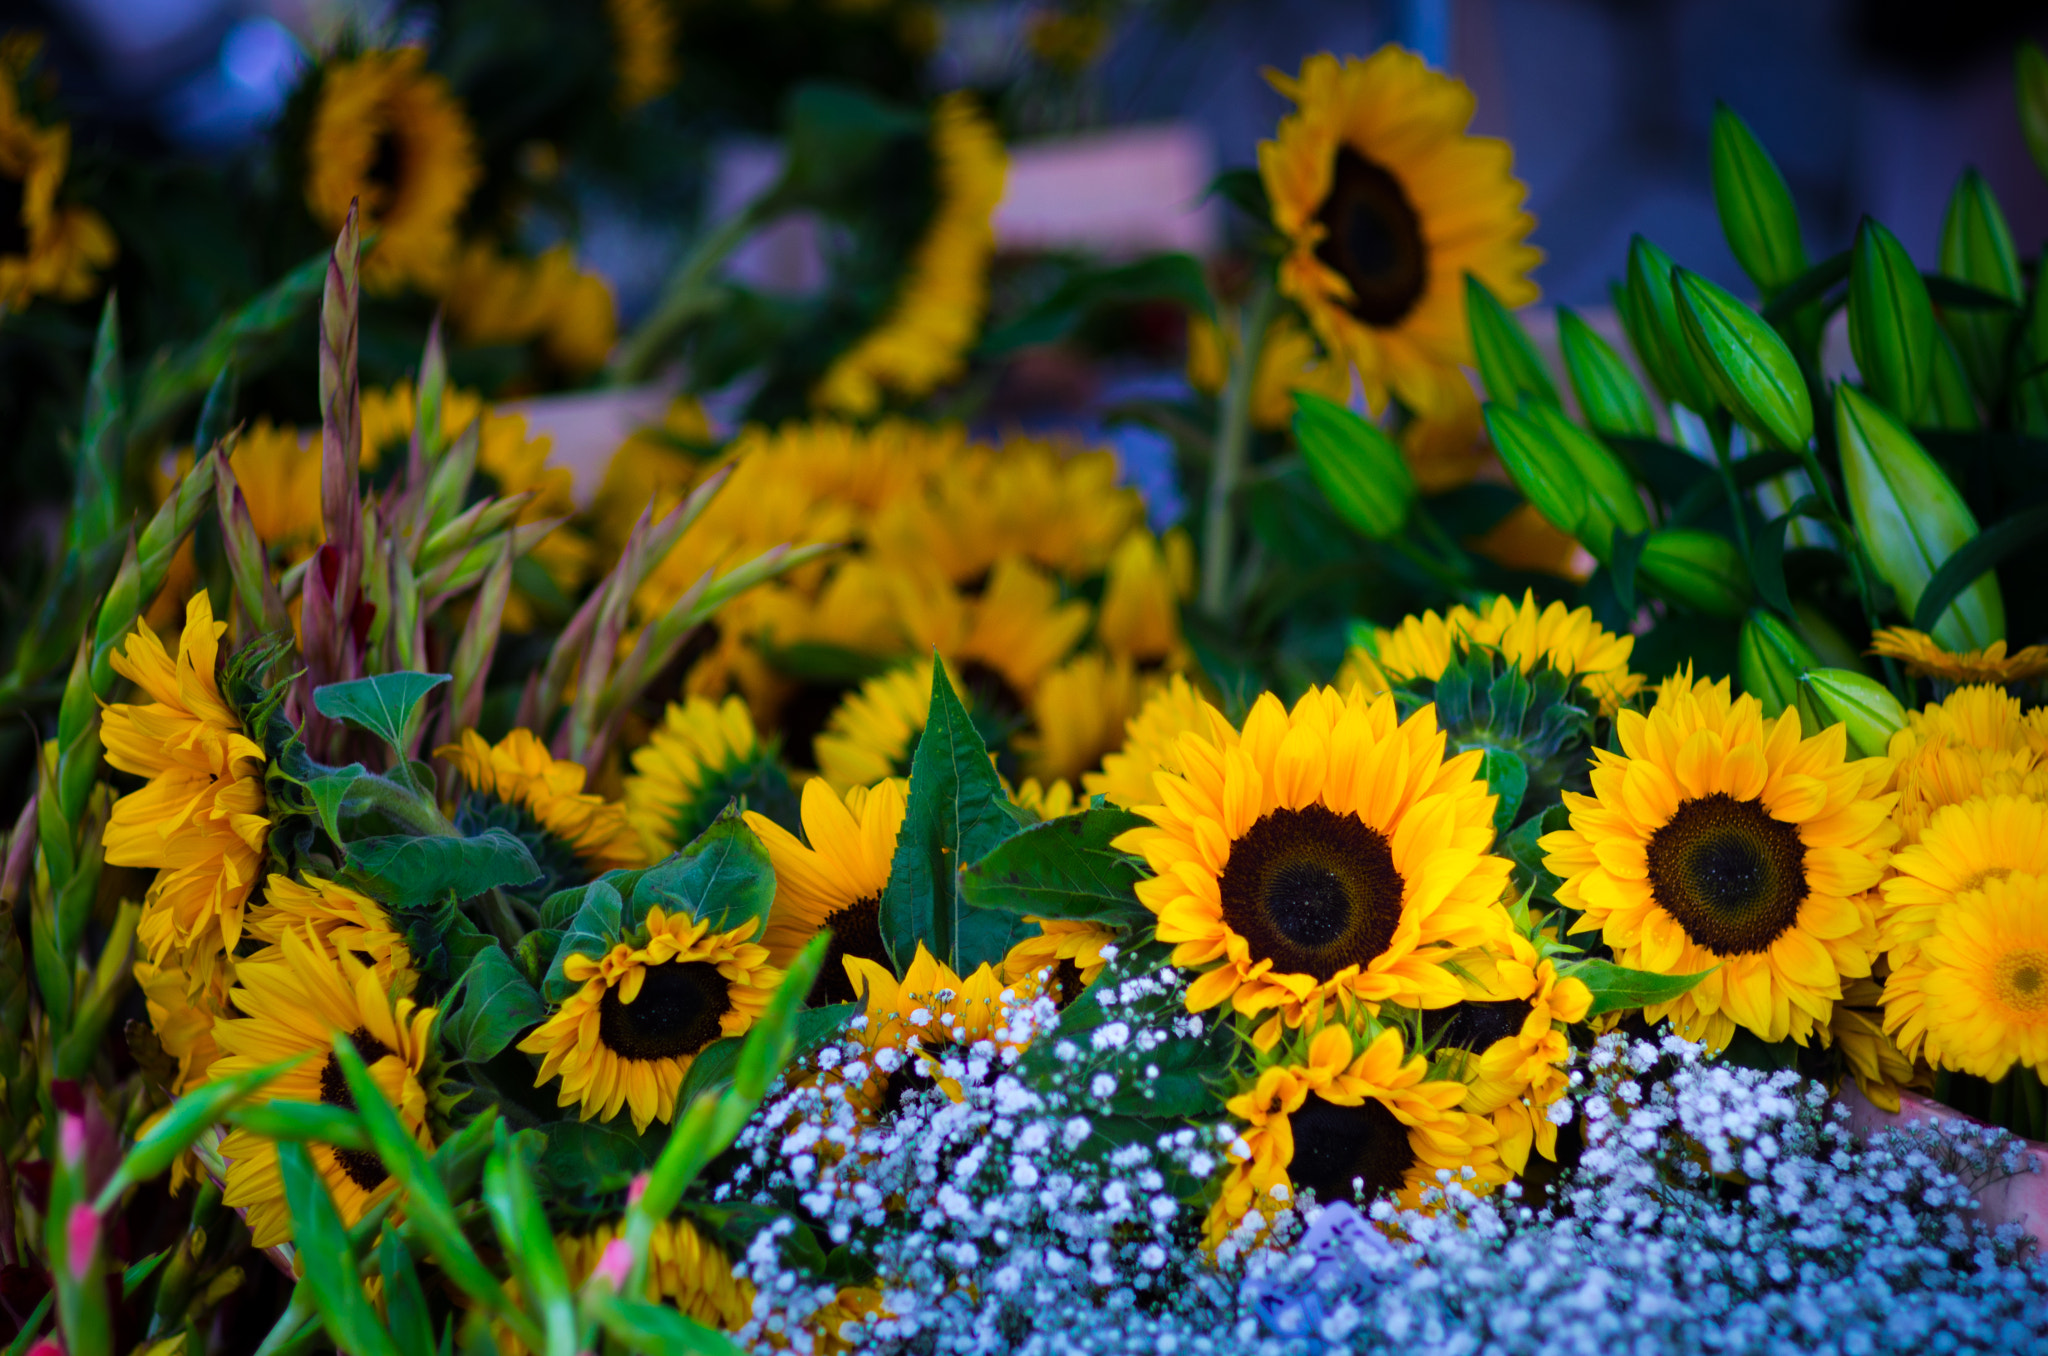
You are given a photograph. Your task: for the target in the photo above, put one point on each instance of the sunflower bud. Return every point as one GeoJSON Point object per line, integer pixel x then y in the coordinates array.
{"type": "Point", "coordinates": [1869, 710]}
{"type": "Point", "coordinates": [1508, 361]}
{"type": "Point", "coordinates": [1911, 519]}
{"type": "Point", "coordinates": [1608, 392]}
{"type": "Point", "coordinates": [1652, 313]}
{"type": "Point", "coordinates": [1891, 320]}
{"type": "Point", "coordinates": [1757, 213]}
{"type": "Point", "coordinates": [1747, 365]}
{"type": "Point", "coordinates": [1700, 569]}
{"type": "Point", "coordinates": [1611, 498]}
{"type": "Point", "coordinates": [1540, 469]}
{"type": "Point", "coordinates": [1358, 468]}
{"type": "Point", "coordinates": [1977, 248]}
{"type": "Point", "coordinates": [1770, 659]}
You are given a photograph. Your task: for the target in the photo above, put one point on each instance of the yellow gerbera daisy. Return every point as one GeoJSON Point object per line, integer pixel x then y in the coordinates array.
{"type": "Point", "coordinates": [519, 771]}
{"type": "Point", "coordinates": [1974, 994]}
{"type": "Point", "coordinates": [1350, 1117]}
{"type": "Point", "coordinates": [629, 1035]}
{"type": "Point", "coordinates": [1720, 842]}
{"type": "Point", "coordinates": [1063, 959]}
{"type": "Point", "coordinates": [871, 735]}
{"type": "Point", "coordinates": [338, 918]}
{"type": "Point", "coordinates": [1327, 853]}
{"type": "Point", "coordinates": [389, 133]}
{"type": "Point", "coordinates": [200, 820]}
{"type": "Point", "coordinates": [1977, 741]}
{"type": "Point", "coordinates": [1078, 715]}
{"type": "Point", "coordinates": [644, 32]}
{"type": "Point", "coordinates": [923, 340]}
{"type": "Point", "coordinates": [1139, 619]}
{"type": "Point", "coordinates": [1289, 361]}
{"type": "Point", "coordinates": [1570, 642]}
{"type": "Point", "coordinates": [835, 881]}
{"type": "Point", "coordinates": [701, 756]}
{"type": "Point", "coordinates": [45, 249]}
{"type": "Point", "coordinates": [1152, 742]}
{"type": "Point", "coordinates": [1921, 656]}
{"type": "Point", "coordinates": [1386, 205]}
{"type": "Point", "coordinates": [1962, 847]}
{"type": "Point", "coordinates": [930, 1011]}
{"type": "Point", "coordinates": [293, 1006]}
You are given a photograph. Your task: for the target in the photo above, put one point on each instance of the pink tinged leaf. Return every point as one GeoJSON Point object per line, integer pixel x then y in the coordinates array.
{"type": "Point", "coordinates": [82, 1239]}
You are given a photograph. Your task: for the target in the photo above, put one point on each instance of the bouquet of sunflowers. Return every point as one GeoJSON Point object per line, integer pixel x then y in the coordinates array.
{"type": "Point", "coordinates": [866, 883]}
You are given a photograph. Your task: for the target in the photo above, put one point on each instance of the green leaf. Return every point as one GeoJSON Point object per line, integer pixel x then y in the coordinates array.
{"type": "Point", "coordinates": [838, 136]}
{"type": "Point", "coordinates": [1974, 558]}
{"type": "Point", "coordinates": [323, 1244]}
{"type": "Point", "coordinates": [597, 926]}
{"type": "Point", "coordinates": [1063, 868]}
{"type": "Point", "coordinates": [188, 1118]}
{"type": "Point", "coordinates": [713, 1069]}
{"type": "Point", "coordinates": [529, 1243]}
{"type": "Point", "coordinates": [1977, 248]}
{"type": "Point", "coordinates": [1745, 362]}
{"type": "Point", "coordinates": [305, 1122]}
{"type": "Point", "coordinates": [1161, 277]}
{"type": "Point", "coordinates": [1657, 332]}
{"type": "Point", "coordinates": [1757, 213]}
{"type": "Point", "coordinates": [414, 872]}
{"type": "Point", "coordinates": [1891, 321]}
{"type": "Point", "coordinates": [388, 705]}
{"type": "Point", "coordinates": [1357, 467]}
{"type": "Point", "coordinates": [1539, 467]}
{"type": "Point", "coordinates": [724, 876]}
{"type": "Point", "coordinates": [329, 791]}
{"type": "Point", "coordinates": [1616, 988]}
{"type": "Point", "coordinates": [640, 1326]}
{"type": "Point", "coordinates": [2030, 85]}
{"type": "Point", "coordinates": [1608, 393]}
{"type": "Point", "coordinates": [1812, 285]}
{"type": "Point", "coordinates": [1612, 502]}
{"type": "Point", "coordinates": [1624, 563]}
{"type": "Point", "coordinates": [496, 1005]}
{"type": "Point", "coordinates": [405, 1303]}
{"type": "Point", "coordinates": [1507, 776]}
{"type": "Point", "coordinates": [100, 454]}
{"type": "Point", "coordinates": [958, 812]}
{"type": "Point", "coordinates": [591, 1158]}
{"type": "Point", "coordinates": [1950, 404]}
{"type": "Point", "coordinates": [1244, 189]}
{"type": "Point", "coordinates": [1524, 848]}
{"type": "Point", "coordinates": [1508, 361]}
{"type": "Point", "coordinates": [1702, 570]}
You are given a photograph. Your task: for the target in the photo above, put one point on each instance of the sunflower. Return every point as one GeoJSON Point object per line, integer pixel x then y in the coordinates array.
{"type": "Point", "coordinates": [1447, 447]}
{"type": "Point", "coordinates": [1526, 540]}
{"type": "Point", "coordinates": [200, 820]}
{"type": "Point", "coordinates": [872, 734]}
{"type": "Point", "coordinates": [1326, 853]}
{"type": "Point", "coordinates": [45, 249]}
{"type": "Point", "coordinates": [1881, 1070]}
{"type": "Point", "coordinates": [1974, 994]}
{"type": "Point", "coordinates": [685, 1270]}
{"type": "Point", "coordinates": [1977, 741]}
{"type": "Point", "coordinates": [183, 1017]}
{"type": "Point", "coordinates": [1002, 643]}
{"type": "Point", "coordinates": [629, 1035]}
{"type": "Point", "coordinates": [1078, 715]}
{"type": "Point", "coordinates": [498, 299]}
{"type": "Point", "coordinates": [929, 1012]}
{"type": "Point", "coordinates": [702, 757]}
{"type": "Point", "coordinates": [1570, 642]}
{"type": "Point", "coordinates": [1386, 204]}
{"type": "Point", "coordinates": [339, 919]}
{"type": "Point", "coordinates": [1046, 800]}
{"type": "Point", "coordinates": [645, 33]}
{"type": "Point", "coordinates": [1721, 843]}
{"type": "Point", "coordinates": [1925, 659]}
{"type": "Point", "coordinates": [389, 133]}
{"type": "Point", "coordinates": [836, 880]}
{"type": "Point", "coordinates": [1289, 361]}
{"type": "Point", "coordinates": [1349, 1117]}
{"type": "Point", "coordinates": [294, 1006]}
{"type": "Point", "coordinates": [1139, 619]}
{"type": "Point", "coordinates": [1962, 847]}
{"type": "Point", "coordinates": [1152, 742]}
{"type": "Point", "coordinates": [922, 342]}
{"type": "Point", "coordinates": [1064, 958]}
{"type": "Point", "coordinates": [518, 772]}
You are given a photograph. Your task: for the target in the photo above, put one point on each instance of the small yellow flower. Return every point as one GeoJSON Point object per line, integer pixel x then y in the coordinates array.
{"type": "Point", "coordinates": [1921, 656]}
{"type": "Point", "coordinates": [45, 248]}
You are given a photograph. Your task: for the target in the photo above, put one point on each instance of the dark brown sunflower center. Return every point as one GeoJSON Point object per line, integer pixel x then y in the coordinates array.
{"type": "Point", "coordinates": [1335, 1146]}
{"type": "Point", "coordinates": [387, 168]}
{"type": "Point", "coordinates": [990, 692]}
{"type": "Point", "coordinates": [676, 1012]}
{"type": "Point", "coordinates": [804, 716]}
{"type": "Point", "coordinates": [1312, 891]}
{"type": "Point", "coordinates": [363, 1168]}
{"type": "Point", "coordinates": [1731, 875]}
{"type": "Point", "coordinates": [912, 1075]}
{"type": "Point", "coordinates": [856, 931]}
{"type": "Point", "coordinates": [1067, 984]}
{"type": "Point", "coordinates": [1474, 1026]}
{"type": "Point", "coordinates": [13, 231]}
{"type": "Point", "coordinates": [1373, 237]}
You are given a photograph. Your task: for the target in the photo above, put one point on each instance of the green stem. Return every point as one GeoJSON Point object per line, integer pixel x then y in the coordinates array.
{"type": "Point", "coordinates": [1455, 558]}
{"type": "Point", "coordinates": [1719, 429]}
{"type": "Point", "coordinates": [689, 293]}
{"type": "Point", "coordinates": [1233, 448]}
{"type": "Point", "coordinates": [403, 804]}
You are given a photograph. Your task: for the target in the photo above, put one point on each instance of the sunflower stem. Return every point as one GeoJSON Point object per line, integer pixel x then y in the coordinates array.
{"type": "Point", "coordinates": [689, 292]}
{"type": "Point", "coordinates": [1233, 447]}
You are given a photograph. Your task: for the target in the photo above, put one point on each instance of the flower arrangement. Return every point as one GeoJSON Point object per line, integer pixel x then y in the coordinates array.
{"type": "Point", "coordinates": [867, 883]}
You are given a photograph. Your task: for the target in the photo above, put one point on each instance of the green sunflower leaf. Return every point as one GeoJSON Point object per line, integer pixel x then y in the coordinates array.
{"type": "Point", "coordinates": [1616, 988]}
{"type": "Point", "coordinates": [388, 705]}
{"type": "Point", "coordinates": [412, 873]}
{"type": "Point", "coordinates": [724, 876]}
{"type": "Point", "coordinates": [328, 793]}
{"type": "Point", "coordinates": [496, 1004]}
{"type": "Point", "coordinates": [405, 1303]}
{"type": "Point", "coordinates": [1063, 868]}
{"type": "Point", "coordinates": [596, 926]}
{"type": "Point", "coordinates": [958, 812]}
{"type": "Point", "coordinates": [590, 1158]}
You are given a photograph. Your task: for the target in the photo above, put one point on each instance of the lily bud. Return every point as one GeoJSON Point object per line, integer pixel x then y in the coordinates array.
{"type": "Point", "coordinates": [1745, 362]}
{"type": "Point", "coordinates": [1891, 321]}
{"type": "Point", "coordinates": [1700, 569]}
{"type": "Point", "coordinates": [1357, 467]}
{"type": "Point", "coordinates": [1867, 707]}
{"type": "Point", "coordinates": [1508, 362]}
{"type": "Point", "coordinates": [1608, 392]}
{"type": "Point", "coordinates": [1770, 659]}
{"type": "Point", "coordinates": [1539, 467]}
{"type": "Point", "coordinates": [1611, 498]}
{"type": "Point", "coordinates": [1652, 312]}
{"type": "Point", "coordinates": [1977, 248]}
{"type": "Point", "coordinates": [1757, 213]}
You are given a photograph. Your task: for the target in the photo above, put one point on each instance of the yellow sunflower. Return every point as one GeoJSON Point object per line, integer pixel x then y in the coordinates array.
{"type": "Point", "coordinates": [686, 1271]}
{"type": "Point", "coordinates": [645, 34]}
{"type": "Point", "coordinates": [871, 735]}
{"type": "Point", "coordinates": [927, 1013]}
{"type": "Point", "coordinates": [1289, 361]}
{"type": "Point", "coordinates": [1922, 657]}
{"type": "Point", "coordinates": [922, 342]}
{"type": "Point", "coordinates": [836, 880]}
{"type": "Point", "coordinates": [701, 755]}
{"type": "Point", "coordinates": [1974, 994]}
{"type": "Point", "coordinates": [336, 917]}
{"type": "Point", "coordinates": [1447, 447]}
{"type": "Point", "coordinates": [183, 1016]}
{"type": "Point", "coordinates": [1139, 619]}
{"type": "Point", "coordinates": [389, 133]}
{"type": "Point", "coordinates": [1720, 842]}
{"type": "Point", "coordinates": [1386, 205]}
{"type": "Point", "coordinates": [1047, 800]}
{"type": "Point", "coordinates": [1152, 742]}
{"type": "Point", "coordinates": [45, 248]}
{"type": "Point", "coordinates": [1064, 958]}
{"type": "Point", "coordinates": [1526, 540]}
{"type": "Point", "coordinates": [1078, 715]}
{"type": "Point", "coordinates": [1003, 643]}
{"type": "Point", "coordinates": [1977, 741]}
{"type": "Point", "coordinates": [200, 820]}
{"type": "Point", "coordinates": [1327, 853]}
{"type": "Point", "coordinates": [499, 299]}
{"type": "Point", "coordinates": [519, 771]}
{"type": "Point", "coordinates": [1881, 1070]}
{"type": "Point", "coordinates": [1525, 635]}
{"type": "Point", "coordinates": [293, 1006]}
{"type": "Point", "coordinates": [629, 1035]}
{"type": "Point", "coordinates": [1350, 1117]}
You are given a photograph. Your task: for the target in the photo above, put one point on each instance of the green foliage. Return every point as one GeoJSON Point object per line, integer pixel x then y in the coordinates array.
{"type": "Point", "coordinates": [1977, 248]}
{"type": "Point", "coordinates": [388, 705]}
{"type": "Point", "coordinates": [1357, 467]}
{"type": "Point", "coordinates": [1650, 309]}
{"type": "Point", "coordinates": [1175, 278]}
{"type": "Point", "coordinates": [1508, 362]}
{"type": "Point", "coordinates": [1870, 713]}
{"type": "Point", "coordinates": [1700, 569]}
{"type": "Point", "coordinates": [1745, 363]}
{"type": "Point", "coordinates": [1773, 658]}
{"type": "Point", "coordinates": [1891, 322]}
{"type": "Point", "coordinates": [1610, 395]}
{"type": "Point", "coordinates": [414, 872]}
{"type": "Point", "coordinates": [497, 1004]}
{"type": "Point", "coordinates": [1063, 868]}
{"type": "Point", "coordinates": [597, 923]}
{"type": "Point", "coordinates": [2030, 79]}
{"type": "Point", "coordinates": [723, 876]}
{"type": "Point", "coordinates": [1616, 988]}
{"type": "Point", "coordinates": [1541, 470]}
{"type": "Point", "coordinates": [1757, 213]}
